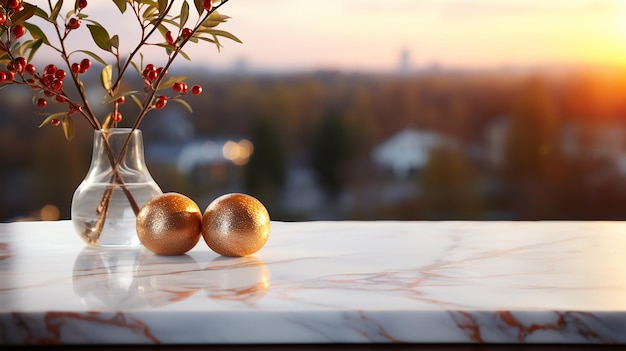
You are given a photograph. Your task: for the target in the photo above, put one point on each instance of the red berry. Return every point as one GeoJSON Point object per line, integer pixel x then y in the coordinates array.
{"type": "Point", "coordinates": [3, 18]}
{"type": "Point", "coordinates": [207, 4]}
{"type": "Point", "coordinates": [60, 98]}
{"type": "Point", "coordinates": [85, 63]}
{"type": "Point", "coordinates": [14, 4]}
{"type": "Point", "coordinates": [73, 23]}
{"type": "Point", "coordinates": [161, 102]}
{"type": "Point", "coordinates": [55, 122]}
{"type": "Point", "coordinates": [10, 76]}
{"type": "Point", "coordinates": [186, 33]}
{"type": "Point", "coordinates": [76, 68]}
{"type": "Point", "coordinates": [41, 103]}
{"type": "Point", "coordinates": [60, 74]}
{"type": "Point", "coordinates": [159, 70]}
{"type": "Point", "coordinates": [31, 69]}
{"type": "Point", "coordinates": [82, 4]}
{"type": "Point", "coordinates": [19, 30]}
{"type": "Point", "coordinates": [47, 80]}
{"type": "Point", "coordinates": [117, 118]}
{"type": "Point", "coordinates": [11, 66]}
{"type": "Point", "coordinates": [3, 76]}
{"type": "Point", "coordinates": [178, 87]}
{"type": "Point", "coordinates": [169, 38]}
{"type": "Point", "coordinates": [196, 90]}
{"type": "Point", "coordinates": [50, 70]}
{"type": "Point", "coordinates": [152, 75]}
{"type": "Point", "coordinates": [149, 67]}
{"type": "Point", "coordinates": [21, 60]}
{"type": "Point", "coordinates": [121, 99]}
{"type": "Point", "coordinates": [57, 85]}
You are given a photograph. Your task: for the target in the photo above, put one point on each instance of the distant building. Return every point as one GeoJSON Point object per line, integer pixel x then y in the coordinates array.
{"type": "Point", "coordinates": [496, 135]}
{"type": "Point", "coordinates": [405, 62]}
{"type": "Point", "coordinates": [600, 142]}
{"type": "Point", "coordinates": [187, 156]}
{"type": "Point", "coordinates": [408, 151]}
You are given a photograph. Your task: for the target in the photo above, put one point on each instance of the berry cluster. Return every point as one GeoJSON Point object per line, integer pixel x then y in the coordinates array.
{"type": "Point", "coordinates": [74, 22]}
{"type": "Point", "coordinates": [150, 74]}
{"type": "Point", "coordinates": [48, 83]}
{"type": "Point", "coordinates": [185, 34]}
{"type": "Point", "coordinates": [12, 7]}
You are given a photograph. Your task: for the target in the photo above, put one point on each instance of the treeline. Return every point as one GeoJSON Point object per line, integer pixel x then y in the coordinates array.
{"type": "Point", "coordinates": [330, 122]}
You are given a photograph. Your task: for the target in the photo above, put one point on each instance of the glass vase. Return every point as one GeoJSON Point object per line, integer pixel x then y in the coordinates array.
{"type": "Point", "coordinates": [105, 204]}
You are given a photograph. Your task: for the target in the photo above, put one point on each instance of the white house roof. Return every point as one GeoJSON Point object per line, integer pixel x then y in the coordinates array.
{"type": "Point", "coordinates": [406, 151]}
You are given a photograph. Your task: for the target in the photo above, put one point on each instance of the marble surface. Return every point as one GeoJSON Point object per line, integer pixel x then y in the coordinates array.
{"type": "Point", "coordinates": [323, 282]}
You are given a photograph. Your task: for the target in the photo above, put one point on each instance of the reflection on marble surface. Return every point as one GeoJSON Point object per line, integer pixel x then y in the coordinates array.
{"type": "Point", "coordinates": [134, 278]}
{"type": "Point", "coordinates": [324, 282]}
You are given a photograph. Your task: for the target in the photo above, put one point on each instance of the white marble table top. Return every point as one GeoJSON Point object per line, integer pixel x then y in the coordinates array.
{"type": "Point", "coordinates": [323, 282]}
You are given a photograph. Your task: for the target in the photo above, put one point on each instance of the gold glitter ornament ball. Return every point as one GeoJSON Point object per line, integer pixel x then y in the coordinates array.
{"type": "Point", "coordinates": [169, 224]}
{"type": "Point", "coordinates": [236, 225]}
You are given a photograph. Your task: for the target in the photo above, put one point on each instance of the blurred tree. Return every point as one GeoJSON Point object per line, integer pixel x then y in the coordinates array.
{"type": "Point", "coordinates": [449, 187]}
{"type": "Point", "coordinates": [534, 162]}
{"type": "Point", "coordinates": [58, 168]}
{"type": "Point", "coordinates": [362, 120]}
{"type": "Point", "coordinates": [330, 150]}
{"type": "Point", "coordinates": [265, 173]}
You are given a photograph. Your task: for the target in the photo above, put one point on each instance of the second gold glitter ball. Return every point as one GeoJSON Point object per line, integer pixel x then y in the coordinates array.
{"type": "Point", "coordinates": [236, 225]}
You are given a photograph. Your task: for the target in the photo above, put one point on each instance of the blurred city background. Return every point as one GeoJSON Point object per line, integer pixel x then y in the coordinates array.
{"type": "Point", "coordinates": [412, 110]}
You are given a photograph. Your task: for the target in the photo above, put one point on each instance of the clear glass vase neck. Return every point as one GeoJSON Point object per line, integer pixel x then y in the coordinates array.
{"type": "Point", "coordinates": [121, 146]}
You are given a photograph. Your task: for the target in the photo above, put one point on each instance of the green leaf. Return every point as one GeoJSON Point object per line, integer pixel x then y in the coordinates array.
{"type": "Point", "coordinates": [106, 77]}
{"type": "Point", "coordinates": [21, 16]}
{"type": "Point", "coordinates": [136, 67]}
{"type": "Point", "coordinates": [116, 96]}
{"type": "Point", "coordinates": [108, 122]}
{"type": "Point", "coordinates": [184, 14]}
{"type": "Point", "coordinates": [162, 29]}
{"type": "Point", "coordinates": [115, 42]}
{"type": "Point", "coordinates": [149, 13]}
{"type": "Point", "coordinates": [225, 34]}
{"type": "Point", "coordinates": [214, 19]}
{"type": "Point", "coordinates": [171, 21]}
{"type": "Point", "coordinates": [184, 54]}
{"type": "Point", "coordinates": [32, 46]}
{"type": "Point", "coordinates": [93, 55]}
{"type": "Point", "coordinates": [166, 46]}
{"type": "Point", "coordinates": [121, 4]}
{"type": "Point", "coordinates": [198, 5]}
{"type": "Point", "coordinates": [68, 127]}
{"type": "Point", "coordinates": [35, 46]}
{"type": "Point", "coordinates": [55, 11]}
{"type": "Point", "coordinates": [50, 117]}
{"type": "Point", "coordinates": [209, 40]}
{"type": "Point", "coordinates": [137, 101]}
{"type": "Point", "coordinates": [184, 103]}
{"type": "Point", "coordinates": [42, 14]}
{"type": "Point", "coordinates": [171, 80]}
{"type": "Point", "coordinates": [162, 6]}
{"type": "Point", "coordinates": [36, 32]}
{"type": "Point", "coordinates": [100, 36]}
{"type": "Point", "coordinates": [217, 43]}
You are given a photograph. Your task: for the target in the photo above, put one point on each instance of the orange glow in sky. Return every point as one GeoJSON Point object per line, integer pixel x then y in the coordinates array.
{"type": "Point", "coordinates": [367, 35]}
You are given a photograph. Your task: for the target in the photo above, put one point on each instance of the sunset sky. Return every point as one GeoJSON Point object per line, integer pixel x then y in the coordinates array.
{"type": "Point", "coordinates": [368, 35]}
